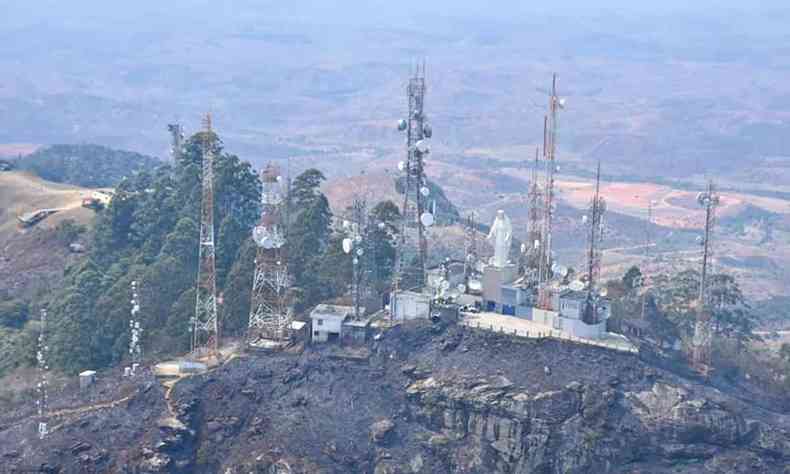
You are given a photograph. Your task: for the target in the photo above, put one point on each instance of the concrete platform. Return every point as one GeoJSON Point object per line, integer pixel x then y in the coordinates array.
{"type": "Point", "coordinates": [501, 323]}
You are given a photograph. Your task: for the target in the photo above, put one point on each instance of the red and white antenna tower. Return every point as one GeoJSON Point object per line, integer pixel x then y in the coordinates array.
{"type": "Point", "coordinates": [412, 247]}
{"type": "Point", "coordinates": [702, 339]}
{"type": "Point", "coordinates": [205, 324]}
{"type": "Point", "coordinates": [550, 131]}
{"type": "Point", "coordinates": [270, 312]}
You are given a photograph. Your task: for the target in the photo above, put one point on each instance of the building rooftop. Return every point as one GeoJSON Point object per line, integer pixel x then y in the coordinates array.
{"type": "Point", "coordinates": [332, 310]}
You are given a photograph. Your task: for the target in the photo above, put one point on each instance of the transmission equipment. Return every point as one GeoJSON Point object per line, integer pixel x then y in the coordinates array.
{"type": "Point", "coordinates": [176, 141]}
{"type": "Point", "coordinates": [596, 228]}
{"type": "Point", "coordinates": [205, 325]}
{"type": "Point", "coordinates": [135, 330]}
{"type": "Point", "coordinates": [357, 244]}
{"type": "Point", "coordinates": [701, 342]}
{"type": "Point", "coordinates": [270, 311]}
{"type": "Point", "coordinates": [412, 247]}
{"type": "Point", "coordinates": [42, 388]}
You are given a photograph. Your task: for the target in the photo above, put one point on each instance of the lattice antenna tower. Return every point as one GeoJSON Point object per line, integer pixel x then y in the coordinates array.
{"type": "Point", "coordinates": [356, 244]}
{"type": "Point", "coordinates": [412, 248]}
{"type": "Point", "coordinates": [176, 140]}
{"type": "Point", "coordinates": [534, 245]}
{"type": "Point", "coordinates": [550, 132]}
{"type": "Point", "coordinates": [205, 324]}
{"type": "Point", "coordinates": [135, 330]}
{"type": "Point", "coordinates": [42, 387]}
{"type": "Point", "coordinates": [270, 311]}
{"type": "Point", "coordinates": [595, 222]}
{"type": "Point", "coordinates": [702, 339]}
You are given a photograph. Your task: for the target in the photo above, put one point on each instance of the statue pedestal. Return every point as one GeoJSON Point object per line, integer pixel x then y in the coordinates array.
{"type": "Point", "coordinates": [493, 279]}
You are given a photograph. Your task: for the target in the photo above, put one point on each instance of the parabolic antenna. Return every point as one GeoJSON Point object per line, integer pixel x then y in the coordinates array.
{"type": "Point", "coordinates": [346, 224]}
{"type": "Point", "coordinates": [401, 166]}
{"type": "Point", "coordinates": [425, 191]}
{"type": "Point", "coordinates": [259, 235]}
{"type": "Point", "coordinates": [427, 131]}
{"type": "Point", "coordinates": [402, 125]}
{"type": "Point", "coordinates": [603, 292]}
{"type": "Point", "coordinates": [426, 219]}
{"type": "Point", "coordinates": [523, 248]}
{"type": "Point", "coordinates": [358, 239]}
{"type": "Point", "coordinates": [536, 244]}
{"type": "Point", "coordinates": [360, 252]}
{"type": "Point", "coordinates": [347, 244]}
{"type": "Point", "coordinates": [475, 285]}
{"type": "Point", "coordinates": [562, 270]}
{"type": "Point", "coordinates": [584, 219]}
{"type": "Point", "coordinates": [576, 285]}
{"type": "Point", "coordinates": [461, 288]}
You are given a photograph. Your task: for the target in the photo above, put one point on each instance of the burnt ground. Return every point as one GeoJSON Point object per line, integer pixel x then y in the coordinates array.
{"type": "Point", "coordinates": [314, 411]}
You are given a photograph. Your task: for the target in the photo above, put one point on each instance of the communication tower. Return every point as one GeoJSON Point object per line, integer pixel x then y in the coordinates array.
{"type": "Point", "coordinates": [205, 325]}
{"type": "Point", "coordinates": [136, 331]}
{"type": "Point", "coordinates": [471, 256]}
{"type": "Point", "coordinates": [357, 245]}
{"type": "Point", "coordinates": [595, 222]}
{"type": "Point", "coordinates": [534, 244]}
{"type": "Point", "coordinates": [412, 247]}
{"type": "Point", "coordinates": [270, 312]}
{"type": "Point", "coordinates": [42, 388]}
{"type": "Point", "coordinates": [702, 339]}
{"type": "Point", "coordinates": [550, 132]}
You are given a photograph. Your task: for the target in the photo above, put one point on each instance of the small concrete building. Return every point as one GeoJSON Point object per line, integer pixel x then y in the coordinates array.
{"type": "Point", "coordinates": [355, 331]}
{"type": "Point", "coordinates": [87, 378]}
{"type": "Point", "coordinates": [408, 305]}
{"type": "Point", "coordinates": [326, 322]}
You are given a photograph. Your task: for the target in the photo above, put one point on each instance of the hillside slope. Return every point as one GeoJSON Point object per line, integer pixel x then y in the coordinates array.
{"type": "Point", "coordinates": [430, 399]}
{"type": "Point", "coordinates": [29, 257]}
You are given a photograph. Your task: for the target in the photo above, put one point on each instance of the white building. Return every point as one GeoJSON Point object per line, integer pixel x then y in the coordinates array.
{"type": "Point", "coordinates": [408, 305]}
{"type": "Point", "coordinates": [327, 322]}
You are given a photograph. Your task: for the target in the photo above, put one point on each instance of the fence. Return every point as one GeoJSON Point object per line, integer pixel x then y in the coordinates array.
{"type": "Point", "coordinates": [549, 334]}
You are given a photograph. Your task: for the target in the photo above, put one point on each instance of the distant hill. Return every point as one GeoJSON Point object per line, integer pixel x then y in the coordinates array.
{"type": "Point", "coordinates": [85, 165]}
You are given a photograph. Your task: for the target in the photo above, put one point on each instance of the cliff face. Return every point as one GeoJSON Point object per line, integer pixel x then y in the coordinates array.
{"type": "Point", "coordinates": [429, 400]}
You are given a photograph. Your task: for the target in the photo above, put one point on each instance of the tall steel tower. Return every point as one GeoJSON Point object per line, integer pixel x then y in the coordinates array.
{"type": "Point", "coordinates": [270, 312]}
{"type": "Point", "coordinates": [42, 388]}
{"type": "Point", "coordinates": [135, 330]}
{"type": "Point", "coordinates": [533, 251]}
{"type": "Point", "coordinates": [412, 248]}
{"type": "Point", "coordinates": [358, 245]}
{"type": "Point", "coordinates": [471, 256]}
{"type": "Point", "coordinates": [702, 339]}
{"type": "Point", "coordinates": [176, 141]}
{"type": "Point", "coordinates": [596, 226]}
{"type": "Point", "coordinates": [205, 325]}
{"type": "Point", "coordinates": [550, 131]}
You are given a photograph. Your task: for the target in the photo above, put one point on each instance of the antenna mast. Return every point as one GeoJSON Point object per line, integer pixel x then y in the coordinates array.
{"type": "Point", "coordinates": [412, 248]}
{"type": "Point", "coordinates": [205, 329]}
{"type": "Point", "coordinates": [550, 126]}
{"type": "Point", "coordinates": [701, 342]}
{"type": "Point", "coordinates": [534, 230]}
{"type": "Point", "coordinates": [597, 210]}
{"type": "Point", "coordinates": [357, 244]}
{"type": "Point", "coordinates": [270, 312]}
{"type": "Point", "coordinates": [136, 332]}
{"type": "Point", "coordinates": [471, 257]}
{"type": "Point", "coordinates": [43, 379]}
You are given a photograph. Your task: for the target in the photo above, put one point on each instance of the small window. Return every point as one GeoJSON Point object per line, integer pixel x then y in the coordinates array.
{"type": "Point", "coordinates": [320, 322]}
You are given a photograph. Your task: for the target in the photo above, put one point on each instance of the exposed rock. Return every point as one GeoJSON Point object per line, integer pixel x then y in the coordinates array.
{"type": "Point", "coordinates": [380, 432]}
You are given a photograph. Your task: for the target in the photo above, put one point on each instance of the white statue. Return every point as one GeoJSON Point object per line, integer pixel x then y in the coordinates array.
{"type": "Point", "coordinates": [500, 236]}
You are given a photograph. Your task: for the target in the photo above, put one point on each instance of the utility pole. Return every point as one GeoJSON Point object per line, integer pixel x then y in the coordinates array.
{"type": "Point", "coordinates": [412, 248]}
{"type": "Point", "coordinates": [270, 312]}
{"type": "Point", "coordinates": [205, 324]}
{"type": "Point", "coordinates": [701, 342]}
{"type": "Point", "coordinates": [595, 222]}
{"type": "Point", "coordinates": [42, 388]}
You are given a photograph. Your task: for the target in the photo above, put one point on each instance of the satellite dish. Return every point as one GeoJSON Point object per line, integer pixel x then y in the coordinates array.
{"type": "Point", "coordinates": [355, 261]}
{"type": "Point", "coordinates": [461, 288]}
{"type": "Point", "coordinates": [523, 248]}
{"type": "Point", "coordinates": [536, 244]}
{"type": "Point", "coordinates": [346, 224]}
{"type": "Point", "coordinates": [347, 244]}
{"type": "Point", "coordinates": [279, 179]}
{"type": "Point", "coordinates": [603, 292]}
{"type": "Point", "coordinates": [259, 235]}
{"type": "Point", "coordinates": [475, 285]}
{"type": "Point", "coordinates": [358, 239]}
{"type": "Point", "coordinates": [585, 219]}
{"type": "Point", "coordinates": [562, 271]}
{"type": "Point", "coordinates": [425, 191]}
{"type": "Point", "coordinates": [426, 219]}
{"type": "Point", "coordinates": [381, 226]}
{"type": "Point", "coordinates": [360, 252]}
{"type": "Point", "coordinates": [562, 103]}
{"type": "Point", "coordinates": [401, 166]}
{"type": "Point", "coordinates": [402, 125]}
{"type": "Point", "coordinates": [576, 285]}
{"type": "Point", "coordinates": [427, 131]}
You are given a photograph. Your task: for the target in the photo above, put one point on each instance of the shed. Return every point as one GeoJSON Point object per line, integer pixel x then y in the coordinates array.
{"type": "Point", "coordinates": [326, 321]}
{"type": "Point", "coordinates": [87, 378]}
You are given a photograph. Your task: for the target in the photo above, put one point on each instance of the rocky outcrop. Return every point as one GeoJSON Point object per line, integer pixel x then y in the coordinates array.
{"type": "Point", "coordinates": [489, 425]}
